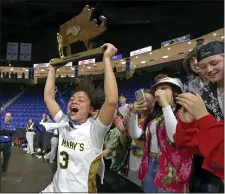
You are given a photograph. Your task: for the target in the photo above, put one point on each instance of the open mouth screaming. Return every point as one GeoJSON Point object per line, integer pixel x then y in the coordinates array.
{"type": "Point", "coordinates": [73, 110]}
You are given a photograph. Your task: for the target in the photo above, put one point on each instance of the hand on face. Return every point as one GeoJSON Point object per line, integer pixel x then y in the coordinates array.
{"type": "Point", "coordinates": [162, 97]}
{"type": "Point", "coordinates": [193, 104]}
{"type": "Point", "coordinates": [109, 50]}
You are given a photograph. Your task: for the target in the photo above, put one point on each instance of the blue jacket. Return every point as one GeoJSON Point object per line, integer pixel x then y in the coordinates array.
{"type": "Point", "coordinates": [8, 127]}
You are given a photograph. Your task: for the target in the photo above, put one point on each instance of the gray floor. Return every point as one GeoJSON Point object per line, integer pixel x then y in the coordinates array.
{"type": "Point", "coordinates": [25, 174]}
{"type": "Point", "coordinates": [133, 176]}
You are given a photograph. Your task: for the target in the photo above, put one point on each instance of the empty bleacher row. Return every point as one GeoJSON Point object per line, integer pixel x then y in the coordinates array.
{"type": "Point", "coordinates": [8, 91]}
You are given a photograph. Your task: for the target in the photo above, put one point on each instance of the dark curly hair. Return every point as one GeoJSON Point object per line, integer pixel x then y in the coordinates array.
{"type": "Point", "coordinates": [97, 97]}
{"type": "Point", "coordinates": [188, 59]}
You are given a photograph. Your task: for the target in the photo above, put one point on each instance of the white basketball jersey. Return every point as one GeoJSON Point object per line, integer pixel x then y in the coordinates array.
{"type": "Point", "coordinates": [78, 160]}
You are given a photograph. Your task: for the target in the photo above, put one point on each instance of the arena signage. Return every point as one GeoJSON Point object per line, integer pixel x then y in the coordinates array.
{"type": "Point", "coordinates": [175, 41]}
{"type": "Point", "coordinates": [85, 62]}
{"type": "Point", "coordinates": [116, 57]}
{"type": "Point", "coordinates": [39, 65]}
{"type": "Point", "coordinates": [141, 51]}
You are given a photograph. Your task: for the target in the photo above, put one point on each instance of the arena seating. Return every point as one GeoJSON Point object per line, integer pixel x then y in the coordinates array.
{"type": "Point", "coordinates": [30, 105]}
{"type": "Point", "coordinates": [8, 91]}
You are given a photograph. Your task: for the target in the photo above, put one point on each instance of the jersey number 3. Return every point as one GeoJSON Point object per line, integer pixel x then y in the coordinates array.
{"type": "Point", "coordinates": [65, 160]}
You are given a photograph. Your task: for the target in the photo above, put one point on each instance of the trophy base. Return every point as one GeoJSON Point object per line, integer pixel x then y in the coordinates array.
{"type": "Point", "coordinates": [77, 57]}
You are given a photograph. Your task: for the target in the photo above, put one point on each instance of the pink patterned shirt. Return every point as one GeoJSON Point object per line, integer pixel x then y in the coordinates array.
{"type": "Point", "coordinates": [174, 170]}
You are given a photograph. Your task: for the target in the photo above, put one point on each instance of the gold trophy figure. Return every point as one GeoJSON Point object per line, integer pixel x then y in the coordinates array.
{"type": "Point", "coordinates": [80, 28]}
{"type": "Point", "coordinates": [60, 48]}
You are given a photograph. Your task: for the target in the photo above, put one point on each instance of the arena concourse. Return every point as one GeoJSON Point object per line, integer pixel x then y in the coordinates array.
{"type": "Point", "coordinates": [155, 49]}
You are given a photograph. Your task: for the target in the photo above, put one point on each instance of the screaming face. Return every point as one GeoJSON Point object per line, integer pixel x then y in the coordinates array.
{"type": "Point", "coordinates": [79, 106]}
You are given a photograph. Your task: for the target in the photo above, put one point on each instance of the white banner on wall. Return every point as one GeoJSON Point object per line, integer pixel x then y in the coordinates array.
{"type": "Point", "coordinates": [25, 51]}
{"type": "Point", "coordinates": [85, 62]}
{"type": "Point", "coordinates": [141, 51]}
{"type": "Point", "coordinates": [39, 65]}
{"type": "Point", "coordinates": [12, 51]}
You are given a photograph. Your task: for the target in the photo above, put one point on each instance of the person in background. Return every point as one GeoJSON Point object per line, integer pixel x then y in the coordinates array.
{"type": "Point", "coordinates": [137, 145]}
{"type": "Point", "coordinates": [197, 79]}
{"type": "Point", "coordinates": [47, 137]}
{"type": "Point", "coordinates": [6, 132]}
{"type": "Point", "coordinates": [201, 128]}
{"type": "Point", "coordinates": [44, 118]}
{"type": "Point", "coordinates": [54, 144]}
{"type": "Point", "coordinates": [39, 137]}
{"type": "Point", "coordinates": [115, 145]}
{"type": "Point", "coordinates": [30, 136]}
{"type": "Point", "coordinates": [164, 168]}
{"type": "Point", "coordinates": [124, 108]}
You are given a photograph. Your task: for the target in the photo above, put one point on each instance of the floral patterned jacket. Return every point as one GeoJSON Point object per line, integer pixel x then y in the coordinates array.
{"type": "Point", "coordinates": [174, 165]}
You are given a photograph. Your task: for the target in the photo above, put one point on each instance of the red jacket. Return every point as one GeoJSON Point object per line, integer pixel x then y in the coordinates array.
{"type": "Point", "coordinates": [204, 137]}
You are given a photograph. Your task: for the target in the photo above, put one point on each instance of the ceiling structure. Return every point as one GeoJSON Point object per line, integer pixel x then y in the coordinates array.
{"type": "Point", "coordinates": [130, 25]}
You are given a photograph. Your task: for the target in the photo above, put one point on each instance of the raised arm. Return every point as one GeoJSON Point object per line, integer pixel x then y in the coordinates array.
{"type": "Point", "coordinates": [170, 122]}
{"type": "Point", "coordinates": [49, 92]}
{"type": "Point", "coordinates": [134, 130]}
{"type": "Point", "coordinates": [108, 109]}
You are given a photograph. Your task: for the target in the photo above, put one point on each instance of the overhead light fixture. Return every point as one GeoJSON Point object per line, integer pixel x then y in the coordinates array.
{"type": "Point", "coordinates": [123, 62]}
{"type": "Point", "coordinates": [168, 48]}
{"type": "Point", "coordinates": [136, 57]}
{"type": "Point", "coordinates": [214, 34]}
{"type": "Point", "coordinates": [222, 37]}
{"type": "Point", "coordinates": [89, 67]}
{"type": "Point", "coordinates": [57, 69]}
{"type": "Point", "coordinates": [189, 42]}
{"type": "Point", "coordinates": [143, 62]}
{"type": "Point", "coordinates": [165, 57]}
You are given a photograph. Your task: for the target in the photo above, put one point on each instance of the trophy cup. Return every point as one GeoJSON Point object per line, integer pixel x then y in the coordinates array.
{"type": "Point", "coordinates": [80, 28]}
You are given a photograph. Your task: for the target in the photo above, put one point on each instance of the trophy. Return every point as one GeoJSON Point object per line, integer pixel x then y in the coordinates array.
{"type": "Point", "coordinates": [80, 28]}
